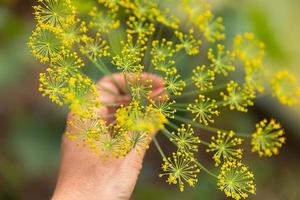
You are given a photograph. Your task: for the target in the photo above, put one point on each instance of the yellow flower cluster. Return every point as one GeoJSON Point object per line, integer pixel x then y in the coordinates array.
{"type": "Point", "coordinates": [286, 88]}
{"type": "Point", "coordinates": [238, 98]}
{"type": "Point", "coordinates": [268, 138]}
{"type": "Point", "coordinates": [226, 147]}
{"type": "Point", "coordinates": [180, 169]}
{"type": "Point", "coordinates": [153, 49]}
{"type": "Point", "coordinates": [236, 181]}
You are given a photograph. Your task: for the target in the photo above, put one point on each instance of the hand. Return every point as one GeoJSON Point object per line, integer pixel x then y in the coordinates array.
{"type": "Point", "coordinates": [84, 175]}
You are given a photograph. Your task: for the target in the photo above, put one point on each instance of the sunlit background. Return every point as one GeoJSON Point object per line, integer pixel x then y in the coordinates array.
{"type": "Point", "coordinates": [31, 126]}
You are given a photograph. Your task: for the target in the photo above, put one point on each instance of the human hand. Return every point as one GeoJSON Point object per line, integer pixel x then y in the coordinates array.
{"type": "Point", "coordinates": [86, 175]}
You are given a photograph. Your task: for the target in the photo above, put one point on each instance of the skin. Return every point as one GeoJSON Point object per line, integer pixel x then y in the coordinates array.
{"type": "Point", "coordinates": [85, 175]}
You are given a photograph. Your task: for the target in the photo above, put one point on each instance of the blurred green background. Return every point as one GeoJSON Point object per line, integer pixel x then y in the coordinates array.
{"type": "Point", "coordinates": [31, 127]}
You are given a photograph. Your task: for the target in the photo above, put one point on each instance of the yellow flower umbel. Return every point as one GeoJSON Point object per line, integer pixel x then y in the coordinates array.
{"type": "Point", "coordinates": [226, 147]}
{"type": "Point", "coordinates": [180, 169]}
{"type": "Point", "coordinates": [46, 44]}
{"type": "Point", "coordinates": [83, 97]}
{"type": "Point", "coordinates": [211, 27]}
{"type": "Point", "coordinates": [268, 138]}
{"type": "Point", "coordinates": [137, 118]}
{"type": "Point", "coordinates": [204, 109]}
{"type": "Point", "coordinates": [135, 38]}
{"type": "Point", "coordinates": [203, 78]}
{"type": "Point", "coordinates": [185, 139]}
{"type": "Point", "coordinates": [238, 98]}
{"type": "Point", "coordinates": [173, 83]}
{"type": "Point", "coordinates": [286, 88]}
{"type": "Point", "coordinates": [188, 42]}
{"type": "Point", "coordinates": [54, 84]}
{"type": "Point", "coordinates": [54, 12]}
{"type": "Point", "coordinates": [248, 49]}
{"type": "Point", "coordinates": [236, 181]}
{"type": "Point", "coordinates": [222, 62]}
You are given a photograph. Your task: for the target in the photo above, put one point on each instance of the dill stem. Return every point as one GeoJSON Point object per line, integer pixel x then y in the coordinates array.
{"type": "Point", "coordinates": [205, 169]}
{"type": "Point", "coordinates": [158, 147]}
{"type": "Point", "coordinates": [208, 128]}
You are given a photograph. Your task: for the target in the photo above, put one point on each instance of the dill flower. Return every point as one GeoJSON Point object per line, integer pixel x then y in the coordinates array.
{"type": "Point", "coordinates": [45, 43]}
{"type": "Point", "coordinates": [222, 61]}
{"type": "Point", "coordinates": [133, 48]}
{"type": "Point", "coordinates": [185, 139]}
{"type": "Point", "coordinates": [212, 28]}
{"type": "Point", "coordinates": [128, 63]}
{"type": "Point", "coordinates": [188, 42]}
{"type": "Point", "coordinates": [203, 78]}
{"type": "Point", "coordinates": [146, 8]}
{"type": "Point", "coordinates": [165, 106]}
{"type": "Point", "coordinates": [137, 118]}
{"type": "Point", "coordinates": [180, 169]}
{"type": "Point", "coordinates": [268, 138]}
{"type": "Point", "coordinates": [104, 22]}
{"type": "Point", "coordinates": [195, 9]}
{"type": "Point", "coordinates": [166, 66]}
{"type": "Point", "coordinates": [204, 109]}
{"type": "Point", "coordinates": [248, 49]}
{"type": "Point", "coordinates": [161, 50]}
{"type": "Point", "coordinates": [72, 32]}
{"type": "Point", "coordinates": [110, 143]}
{"type": "Point", "coordinates": [54, 12]}
{"type": "Point", "coordinates": [286, 88]}
{"type": "Point", "coordinates": [254, 78]}
{"type": "Point", "coordinates": [83, 97]}
{"type": "Point", "coordinates": [94, 48]}
{"type": "Point", "coordinates": [238, 98]}
{"type": "Point", "coordinates": [138, 140]}
{"type": "Point", "coordinates": [236, 181]}
{"type": "Point", "coordinates": [68, 63]}
{"type": "Point", "coordinates": [85, 129]}
{"type": "Point", "coordinates": [54, 84]}
{"type": "Point", "coordinates": [140, 27]}
{"type": "Point", "coordinates": [226, 147]}
{"type": "Point", "coordinates": [139, 89]}
{"type": "Point", "coordinates": [173, 83]}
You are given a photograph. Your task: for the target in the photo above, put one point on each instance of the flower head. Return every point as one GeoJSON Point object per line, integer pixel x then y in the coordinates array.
{"type": "Point", "coordinates": [222, 61]}
{"type": "Point", "coordinates": [211, 27]}
{"type": "Point", "coordinates": [68, 63]}
{"type": "Point", "coordinates": [83, 97]}
{"type": "Point", "coordinates": [104, 22]}
{"type": "Point", "coordinates": [254, 77]}
{"type": "Point", "coordinates": [54, 12]}
{"type": "Point", "coordinates": [180, 169]}
{"type": "Point", "coordinates": [140, 27]}
{"type": "Point", "coordinates": [54, 84]}
{"type": "Point", "coordinates": [185, 139]}
{"type": "Point", "coordinates": [286, 88]}
{"type": "Point", "coordinates": [268, 138]}
{"type": "Point", "coordinates": [164, 105]}
{"type": "Point", "coordinates": [204, 110]}
{"type": "Point", "coordinates": [248, 49]}
{"type": "Point", "coordinates": [161, 50]}
{"type": "Point", "coordinates": [203, 78]}
{"type": "Point", "coordinates": [236, 181]}
{"type": "Point", "coordinates": [188, 42]}
{"type": "Point", "coordinates": [46, 44]}
{"type": "Point", "coordinates": [173, 83]}
{"type": "Point", "coordinates": [94, 48]}
{"type": "Point", "coordinates": [226, 147]}
{"type": "Point", "coordinates": [238, 98]}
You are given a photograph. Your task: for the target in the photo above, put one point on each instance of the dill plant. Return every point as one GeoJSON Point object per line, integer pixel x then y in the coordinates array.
{"type": "Point", "coordinates": [132, 37]}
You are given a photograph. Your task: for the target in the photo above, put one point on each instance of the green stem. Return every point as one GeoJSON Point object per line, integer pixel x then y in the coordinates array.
{"type": "Point", "coordinates": [158, 147]}
{"type": "Point", "coordinates": [205, 169]}
{"type": "Point", "coordinates": [208, 128]}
